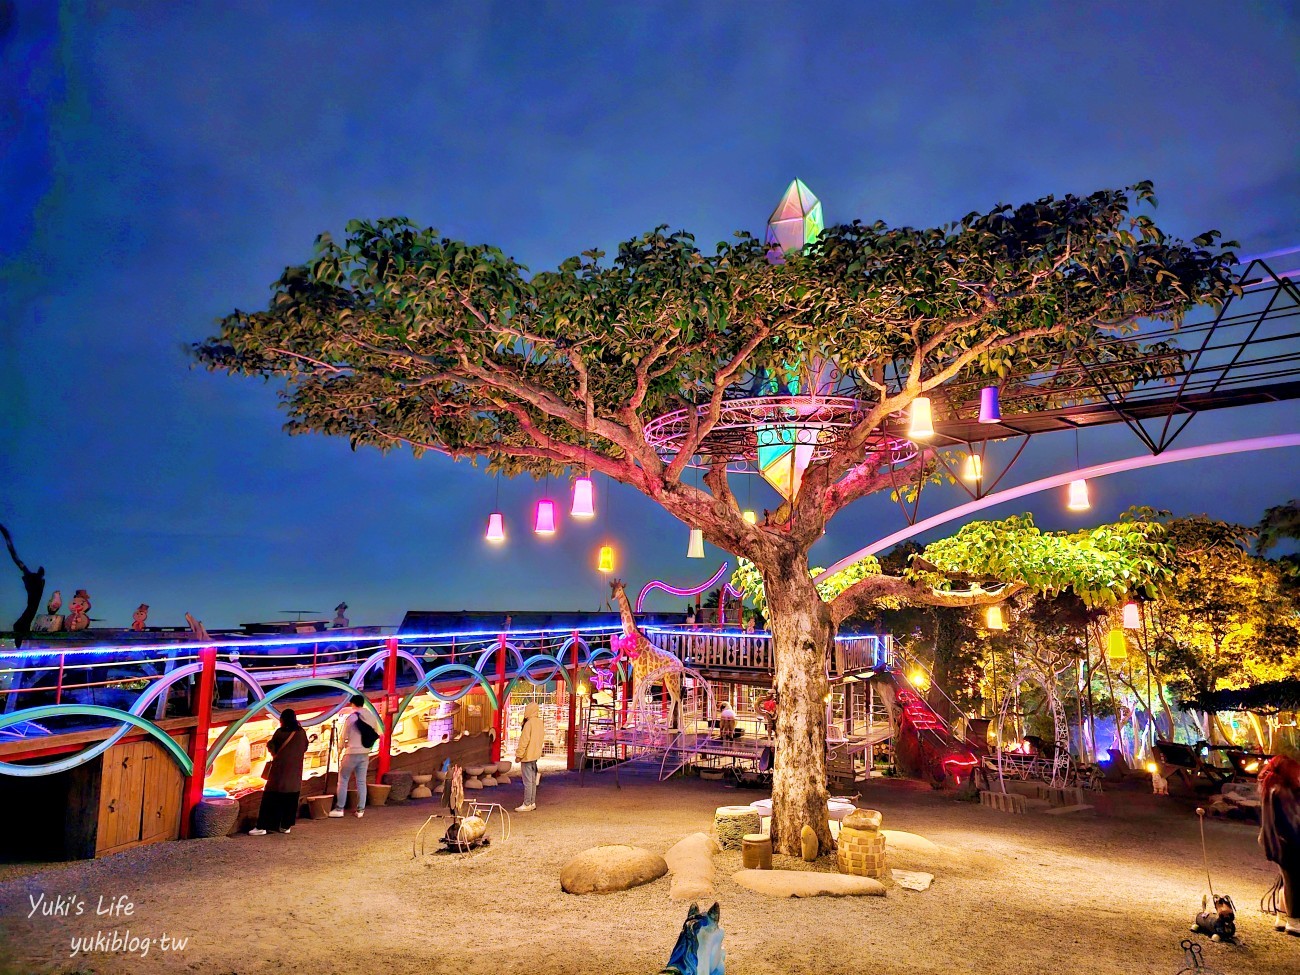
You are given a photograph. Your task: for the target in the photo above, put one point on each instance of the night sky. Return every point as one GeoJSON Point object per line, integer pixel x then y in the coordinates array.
{"type": "Point", "coordinates": [162, 163]}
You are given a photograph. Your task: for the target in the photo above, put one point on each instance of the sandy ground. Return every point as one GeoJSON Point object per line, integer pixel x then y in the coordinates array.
{"type": "Point", "coordinates": [1013, 894]}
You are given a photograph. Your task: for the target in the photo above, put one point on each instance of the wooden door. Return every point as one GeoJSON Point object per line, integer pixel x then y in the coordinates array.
{"type": "Point", "coordinates": [121, 797]}
{"type": "Point", "coordinates": [160, 813]}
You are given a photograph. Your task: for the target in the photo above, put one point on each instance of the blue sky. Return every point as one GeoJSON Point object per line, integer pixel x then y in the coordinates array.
{"type": "Point", "coordinates": [163, 162]}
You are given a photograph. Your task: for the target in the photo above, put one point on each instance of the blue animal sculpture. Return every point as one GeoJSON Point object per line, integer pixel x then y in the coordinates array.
{"type": "Point", "coordinates": [699, 948]}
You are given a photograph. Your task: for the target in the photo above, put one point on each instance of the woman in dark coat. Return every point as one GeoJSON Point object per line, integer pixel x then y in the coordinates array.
{"type": "Point", "coordinates": [283, 777]}
{"type": "Point", "coordinates": [1279, 834]}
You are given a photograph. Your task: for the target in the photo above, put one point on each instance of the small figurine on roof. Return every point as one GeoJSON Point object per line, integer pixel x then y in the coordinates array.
{"type": "Point", "coordinates": [340, 617]}
{"type": "Point", "coordinates": [78, 610]}
{"type": "Point", "coordinates": [139, 616]}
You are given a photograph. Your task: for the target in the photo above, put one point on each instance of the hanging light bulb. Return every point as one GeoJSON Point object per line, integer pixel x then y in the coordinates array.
{"type": "Point", "coordinates": [1079, 496]}
{"type": "Point", "coordinates": [990, 408]}
{"type": "Point", "coordinates": [1116, 646]}
{"type": "Point", "coordinates": [974, 468]}
{"type": "Point", "coordinates": [750, 517]}
{"type": "Point", "coordinates": [544, 520]}
{"type": "Point", "coordinates": [993, 619]}
{"type": "Point", "coordinates": [1132, 616]}
{"type": "Point", "coordinates": [605, 562]}
{"type": "Point", "coordinates": [584, 499]}
{"type": "Point", "coordinates": [695, 550]}
{"type": "Point", "coordinates": [921, 415]}
{"type": "Point", "coordinates": [496, 529]}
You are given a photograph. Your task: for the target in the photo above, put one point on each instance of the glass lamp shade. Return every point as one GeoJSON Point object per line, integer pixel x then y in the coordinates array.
{"type": "Point", "coordinates": [496, 529]}
{"type": "Point", "coordinates": [921, 416]}
{"type": "Point", "coordinates": [695, 550]}
{"type": "Point", "coordinates": [974, 468]}
{"type": "Point", "coordinates": [750, 517]}
{"type": "Point", "coordinates": [584, 499]}
{"type": "Point", "coordinates": [993, 619]}
{"type": "Point", "coordinates": [1132, 617]}
{"type": "Point", "coordinates": [1079, 496]}
{"type": "Point", "coordinates": [605, 561]}
{"type": "Point", "coordinates": [990, 408]}
{"type": "Point", "coordinates": [544, 521]}
{"type": "Point", "coordinates": [1116, 646]}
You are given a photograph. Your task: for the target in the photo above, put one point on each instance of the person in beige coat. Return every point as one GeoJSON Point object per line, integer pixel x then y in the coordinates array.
{"type": "Point", "coordinates": [528, 751]}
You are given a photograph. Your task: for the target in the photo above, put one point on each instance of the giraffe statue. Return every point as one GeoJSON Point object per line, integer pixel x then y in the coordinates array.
{"type": "Point", "coordinates": [649, 658]}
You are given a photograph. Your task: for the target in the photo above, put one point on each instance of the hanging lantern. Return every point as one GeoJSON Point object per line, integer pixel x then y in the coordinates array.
{"type": "Point", "coordinates": [695, 550]}
{"type": "Point", "coordinates": [1116, 646]}
{"type": "Point", "coordinates": [584, 499]}
{"type": "Point", "coordinates": [974, 468]}
{"type": "Point", "coordinates": [993, 619]}
{"type": "Point", "coordinates": [605, 562]}
{"type": "Point", "coordinates": [750, 517]}
{"type": "Point", "coordinates": [1079, 496]}
{"type": "Point", "coordinates": [544, 521]}
{"type": "Point", "coordinates": [921, 426]}
{"type": "Point", "coordinates": [990, 408]}
{"type": "Point", "coordinates": [496, 529]}
{"type": "Point", "coordinates": [1132, 616]}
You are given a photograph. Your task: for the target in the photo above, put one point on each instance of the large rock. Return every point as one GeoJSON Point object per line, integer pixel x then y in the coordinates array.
{"type": "Point", "coordinates": [605, 869]}
{"type": "Point", "coordinates": [691, 864]}
{"type": "Point", "coordinates": [807, 883]}
{"type": "Point", "coordinates": [863, 819]}
{"type": "Point", "coordinates": [899, 840]}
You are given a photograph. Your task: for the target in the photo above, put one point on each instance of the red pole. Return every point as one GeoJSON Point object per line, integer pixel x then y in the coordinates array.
{"type": "Point", "coordinates": [573, 705]}
{"type": "Point", "coordinates": [58, 693]}
{"type": "Point", "coordinates": [199, 742]}
{"type": "Point", "coordinates": [498, 719]}
{"type": "Point", "coordinates": [390, 706]}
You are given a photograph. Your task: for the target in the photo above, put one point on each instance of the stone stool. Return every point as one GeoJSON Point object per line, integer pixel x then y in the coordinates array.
{"type": "Point", "coordinates": [489, 777]}
{"type": "Point", "coordinates": [861, 849]}
{"type": "Point", "coordinates": [421, 789]}
{"type": "Point", "coordinates": [402, 783]}
{"type": "Point", "coordinates": [216, 817]}
{"type": "Point", "coordinates": [756, 851]}
{"type": "Point", "coordinates": [503, 771]}
{"type": "Point", "coordinates": [731, 823]}
{"type": "Point", "coordinates": [439, 781]}
{"type": "Point", "coordinates": [474, 777]}
{"type": "Point", "coordinates": [377, 793]}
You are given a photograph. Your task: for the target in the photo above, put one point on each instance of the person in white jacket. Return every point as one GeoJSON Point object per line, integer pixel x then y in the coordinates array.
{"type": "Point", "coordinates": [354, 755]}
{"type": "Point", "coordinates": [528, 751]}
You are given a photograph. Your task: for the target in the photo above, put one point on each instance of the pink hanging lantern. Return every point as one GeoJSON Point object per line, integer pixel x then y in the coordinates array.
{"type": "Point", "coordinates": [544, 519]}
{"type": "Point", "coordinates": [1132, 616]}
{"type": "Point", "coordinates": [584, 499]}
{"type": "Point", "coordinates": [496, 527]}
{"type": "Point", "coordinates": [990, 408]}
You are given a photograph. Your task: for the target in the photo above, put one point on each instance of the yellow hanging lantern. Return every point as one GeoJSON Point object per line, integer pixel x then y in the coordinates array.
{"type": "Point", "coordinates": [605, 562]}
{"type": "Point", "coordinates": [974, 468]}
{"type": "Point", "coordinates": [1116, 646]}
{"type": "Point", "coordinates": [750, 517]}
{"type": "Point", "coordinates": [993, 619]}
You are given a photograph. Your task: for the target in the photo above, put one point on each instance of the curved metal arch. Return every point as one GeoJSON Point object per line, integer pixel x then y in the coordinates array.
{"type": "Point", "coordinates": [620, 665]}
{"type": "Point", "coordinates": [80, 758]}
{"type": "Point", "coordinates": [283, 690]}
{"type": "Point", "coordinates": [557, 669]}
{"type": "Point", "coordinates": [1059, 480]}
{"type": "Point", "coordinates": [583, 644]}
{"type": "Point", "coordinates": [438, 673]}
{"type": "Point", "coordinates": [359, 674]}
{"type": "Point", "coordinates": [1060, 723]}
{"type": "Point", "coordinates": [654, 584]}
{"type": "Point", "coordinates": [486, 655]}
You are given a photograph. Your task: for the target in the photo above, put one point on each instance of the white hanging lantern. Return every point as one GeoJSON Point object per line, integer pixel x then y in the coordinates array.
{"type": "Point", "coordinates": [695, 550]}
{"type": "Point", "coordinates": [921, 416]}
{"type": "Point", "coordinates": [974, 468]}
{"type": "Point", "coordinates": [584, 499]}
{"type": "Point", "coordinates": [1079, 496]}
{"type": "Point", "coordinates": [496, 527]}
{"type": "Point", "coordinates": [1132, 616]}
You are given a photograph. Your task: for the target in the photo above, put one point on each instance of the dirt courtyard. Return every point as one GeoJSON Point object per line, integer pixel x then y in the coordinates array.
{"type": "Point", "coordinates": [1104, 893]}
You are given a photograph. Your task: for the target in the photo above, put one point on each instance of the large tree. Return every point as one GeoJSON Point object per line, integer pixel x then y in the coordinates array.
{"type": "Point", "coordinates": [398, 336]}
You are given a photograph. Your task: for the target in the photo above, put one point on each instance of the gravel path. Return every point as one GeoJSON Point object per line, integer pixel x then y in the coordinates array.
{"type": "Point", "coordinates": [1012, 894]}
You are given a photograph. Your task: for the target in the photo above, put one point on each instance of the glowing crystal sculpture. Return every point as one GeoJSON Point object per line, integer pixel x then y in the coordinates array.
{"type": "Point", "coordinates": [797, 220]}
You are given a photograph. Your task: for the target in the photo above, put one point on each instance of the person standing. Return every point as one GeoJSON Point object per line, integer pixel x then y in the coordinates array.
{"type": "Point", "coordinates": [727, 722]}
{"type": "Point", "coordinates": [1279, 835]}
{"type": "Point", "coordinates": [528, 751]}
{"type": "Point", "coordinates": [354, 754]}
{"type": "Point", "coordinates": [767, 708]}
{"type": "Point", "coordinates": [283, 776]}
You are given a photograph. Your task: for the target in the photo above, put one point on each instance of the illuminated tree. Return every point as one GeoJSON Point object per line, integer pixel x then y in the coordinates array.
{"type": "Point", "coordinates": [400, 337]}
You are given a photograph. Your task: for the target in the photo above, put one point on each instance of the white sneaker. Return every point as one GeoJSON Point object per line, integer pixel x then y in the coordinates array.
{"type": "Point", "coordinates": [1293, 926]}
{"type": "Point", "coordinates": [336, 814]}
{"type": "Point", "coordinates": [257, 832]}
{"type": "Point", "coordinates": [527, 807]}
{"type": "Point", "coordinates": [360, 813]}
{"type": "Point", "coordinates": [286, 831]}
{"type": "Point", "coordinates": [1279, 921]}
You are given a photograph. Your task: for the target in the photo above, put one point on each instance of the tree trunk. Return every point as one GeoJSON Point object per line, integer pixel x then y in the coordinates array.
{"type": "Point", "coordinates": [802, 636]}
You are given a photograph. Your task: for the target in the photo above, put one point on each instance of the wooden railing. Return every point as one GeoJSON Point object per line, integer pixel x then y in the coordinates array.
{"type": "Point", "coordinates": [732, 650]}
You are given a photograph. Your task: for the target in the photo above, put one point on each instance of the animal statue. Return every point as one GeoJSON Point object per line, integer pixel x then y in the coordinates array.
{"type": "Point", "coordinates": [699, 948]}
{"type": "Point", "coordinates": [33, 583]}
{"type": "Point", "coordinates": [139, 616]}
{"type": "Point", "coordinates": [56, 602]}
{"type": "Point", "coordinates": [645, 656]}
{"type": "Point", "coordinates": [340, 617]}
{"type": "Point", "coordinates": [1279, 835]}
{"type": "Point", "coordinates": [77, 610]}
{"type": "Point", "coordinates": [1220, 923]}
